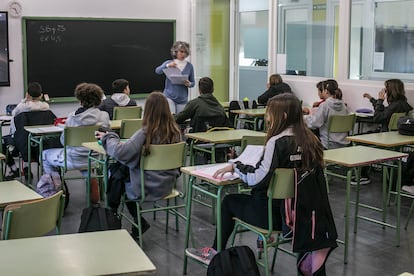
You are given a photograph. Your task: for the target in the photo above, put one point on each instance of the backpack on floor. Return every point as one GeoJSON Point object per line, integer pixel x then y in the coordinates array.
{"type": "Point", "coordinates": [96, 218]}
{"type": "Point", "coordinates": [234, 261]}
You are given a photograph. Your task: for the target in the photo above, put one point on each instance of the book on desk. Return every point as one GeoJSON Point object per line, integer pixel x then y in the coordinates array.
{"type": "Point", "coordinates": [251, 155]}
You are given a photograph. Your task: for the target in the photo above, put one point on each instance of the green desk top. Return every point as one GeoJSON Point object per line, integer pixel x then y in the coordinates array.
{"type": "Point", "coordinates": [14, 192]}
{"type": "Point", "coordinates": [360, 155]}
{"type": "Point", "coordinates": [223, 136]}
{"type": "Point", "coordinates": [383, 139]}
{"type": "Point", "coordinates": [94, 253]}
{"type": "Point", "coordinates": [251, 112]}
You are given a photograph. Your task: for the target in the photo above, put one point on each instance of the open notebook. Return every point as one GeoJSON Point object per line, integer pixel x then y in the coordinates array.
{"type": "Point", "coordinates": [250, 156]}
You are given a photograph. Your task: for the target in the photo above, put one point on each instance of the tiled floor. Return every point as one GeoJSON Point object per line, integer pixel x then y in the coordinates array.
{"type": "Point", "coordinates": [371, 251]}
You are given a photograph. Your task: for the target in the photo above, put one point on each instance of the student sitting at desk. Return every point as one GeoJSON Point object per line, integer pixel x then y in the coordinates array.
{"type": "Point", "coordinates": [158, 127]}
{"type": "Point", "coordinates": [397, 102]}
{"type": "Point", "coordinates": [90, 97]}
{"type": "Point", "coordinates": [394, 92]}
{"type": "Point", "coordinates": [315, 105]}
{"type": "Point", "coordinates": [275, 86]}
{"type": "Point", "coordinates": [319, 119]}
{"type": "Point", "coordinates": [203, 107]}
{"type": "Point", "coordinates": [289, 144]}
{"type": "Point", "coordinates": [120, 97]}
{"type": "Point", "coordinates": [32, 102]}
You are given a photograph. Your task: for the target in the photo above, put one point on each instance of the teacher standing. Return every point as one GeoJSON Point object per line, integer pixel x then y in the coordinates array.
{"type": "Point", "coordinates": [177, 94]}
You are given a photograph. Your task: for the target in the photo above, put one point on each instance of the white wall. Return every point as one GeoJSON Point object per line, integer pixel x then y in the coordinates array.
{"type": "Point", "coordinates": [305, 89]}
{"type": "Point", "coordinates": [178, 10]}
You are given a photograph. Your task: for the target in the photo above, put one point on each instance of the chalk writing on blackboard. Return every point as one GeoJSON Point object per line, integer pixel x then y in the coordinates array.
{"type": "Point", "coordinates": [51, 33]}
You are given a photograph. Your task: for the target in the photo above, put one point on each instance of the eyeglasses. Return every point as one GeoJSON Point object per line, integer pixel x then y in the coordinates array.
{"type": "Point", "coordinates": [182, 51]}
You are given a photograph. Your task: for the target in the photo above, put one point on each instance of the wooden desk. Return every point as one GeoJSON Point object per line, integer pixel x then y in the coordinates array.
{"type": "Point", "coordinates": [219, 137]}
{"type": "Point", "coordinates": [389, 139]}
{"type": "Point", "coordinates": [356, 157]}
{"type": "Point", "coordinates": [256, 113]}
{"type": "Point", "coordinates": [364, 118]}
{"type": "Point", "coordinates": [4, 121]}
{"type": "Point", "coordinates": [94, 253]}
{"type": "Point", "coordinates": [14, 192]}
{"type": "Point", "coordinates": [37, 134]}
{"type": "Point", "coordinates": [218, 185]}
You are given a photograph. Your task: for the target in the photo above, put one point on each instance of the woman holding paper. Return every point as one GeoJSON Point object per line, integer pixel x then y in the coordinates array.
{"type": "Point", "coordinates": [289, 144]}
{"type": "Point", "coordinates": [179, 76]}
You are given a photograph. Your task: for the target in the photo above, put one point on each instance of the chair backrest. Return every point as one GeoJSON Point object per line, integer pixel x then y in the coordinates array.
{"type": "Point", "coordinates": [30, 118]}
{"type": "Point", "coordinates": [282, 184]}
{"type": "Point", "coordinates": [75, 136]}
{"type": "Point", "coordinates": [33, 218]}
{"type": "Point", "coordinates": [392, 125]}
{"type": "Point", "coordinates": [127, 112]}
{"type": "Point", "coordinates": [129, 127]}
{"type": "Point", "coordinates": [164, 157]}
{"type": "Point", "coordinates": [252, 140]}
{"type": "Point", "coordinates": [204, 123]}
{"type": "Point", "coordinates": [340, 124]}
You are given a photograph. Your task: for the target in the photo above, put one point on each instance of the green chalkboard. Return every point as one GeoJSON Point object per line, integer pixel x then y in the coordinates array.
{"type": "Point", "coordinates": [62, 52]}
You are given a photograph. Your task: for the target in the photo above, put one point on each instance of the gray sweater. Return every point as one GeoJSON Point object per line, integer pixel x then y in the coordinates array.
{"type": "Point", "coordinates": [158, 184]}
{"type": "Point", "coordinates": [319, 119]}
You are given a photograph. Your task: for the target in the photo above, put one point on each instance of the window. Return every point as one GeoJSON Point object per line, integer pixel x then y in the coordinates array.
{"type": "Point", "coordinates": [307, 37]}
{"type": "Point", "coordinates": [382, 40]}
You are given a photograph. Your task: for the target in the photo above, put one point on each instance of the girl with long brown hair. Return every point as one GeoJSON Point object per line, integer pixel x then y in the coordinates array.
{"type": "Point", "coordinates": [289, 144]}
{"type": "Point", "coordinates": [158, 127]}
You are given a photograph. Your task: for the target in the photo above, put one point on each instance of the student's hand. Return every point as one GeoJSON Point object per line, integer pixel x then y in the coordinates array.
{"type": "Point", "coordinates": [187, 83]}
{"type": "Point", "coordinates": [172, 64]}
{"type": "Point", "coordinates": [367, 95]}
{"type": "Point", "coordinates": [219, 173]}
{"type": "Point", "coordinates": [381, 94]}
{"type": "Point", "coordinates": [306, 110]}
{"type": "Point", "coordinates": [99, 134]}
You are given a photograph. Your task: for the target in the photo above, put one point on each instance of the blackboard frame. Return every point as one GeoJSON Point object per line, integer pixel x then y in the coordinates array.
{"type": "Point", "coordinates": [30, 33]}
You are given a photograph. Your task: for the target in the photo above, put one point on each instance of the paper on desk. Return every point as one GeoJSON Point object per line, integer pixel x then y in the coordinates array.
{"type": "Point", "coordinates": [251, 155]}
{"type": "Point", "coordinates": [51, 129]}
{"type": "Point", "coordinates": [5, 118]}
{"type": "Point", "coordinates": [209, 171]}
{"type": "Point", "coordinates": [174, 75]}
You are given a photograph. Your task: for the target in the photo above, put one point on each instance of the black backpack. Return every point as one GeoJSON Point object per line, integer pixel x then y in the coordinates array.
{"type": "Point", "coordinates": [234, 261]}
{"type": "Point", "coordinates": [405, 125]}
{"type": "Point", "coordinates": [97, 218]}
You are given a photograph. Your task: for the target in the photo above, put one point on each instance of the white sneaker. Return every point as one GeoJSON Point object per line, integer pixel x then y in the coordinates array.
{"type": "Point", "coordinates": [408, 189]}
{"type": "Point", "coordinates": [362, 181]}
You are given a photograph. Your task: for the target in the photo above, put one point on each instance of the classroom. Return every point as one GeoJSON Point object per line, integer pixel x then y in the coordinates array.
{"type": "Point", "coordinates": [238, 44]}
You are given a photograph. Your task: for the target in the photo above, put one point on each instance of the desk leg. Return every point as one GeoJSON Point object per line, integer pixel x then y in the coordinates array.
{"type": "Point", "coordinates": [105, 180]}
{"type": "Point", "coordinates": [88, 180]}
{"type": "Point", "coordinates": [192, 157]}
{"type": "Point", "coordinates": [398, 190]}
{"type": "Point", "coordinates": [358, 186]}
{"type": "Point", "coordinates": [189, 201]}
{"type": "Point", "coordinates": [384, 194]}
{"type": "Point", "coordinates": [348, 193]}
{"type": "Point", "coordinates": [218, 218]}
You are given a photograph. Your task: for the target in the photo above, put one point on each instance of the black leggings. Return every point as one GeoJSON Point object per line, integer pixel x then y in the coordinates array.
{"type": "Point", "coordinates": [250, 210]}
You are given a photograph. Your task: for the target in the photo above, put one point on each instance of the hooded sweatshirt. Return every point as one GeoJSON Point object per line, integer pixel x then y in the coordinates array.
{"type": "Point", "coordinates": [117, 99]}
{"type": "Point", "coordinates": [206, 105]}
{"type": "Point", "coordinates": [88, 117]}
{"type": "Point", "coordinates": [273, 91]}
{"type": "Point", "coordinates": [383, 114]}
{"type": "Point", "coordinates": [319, 119]}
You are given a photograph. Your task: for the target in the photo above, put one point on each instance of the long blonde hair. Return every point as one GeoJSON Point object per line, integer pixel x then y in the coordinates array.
{"type": "Point", "coordinates": [285, 111]}
{"type": "Point", "coordinates": [159, 122]}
